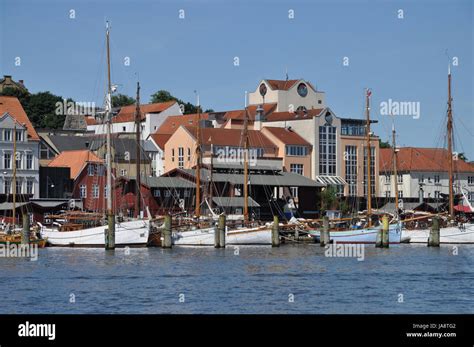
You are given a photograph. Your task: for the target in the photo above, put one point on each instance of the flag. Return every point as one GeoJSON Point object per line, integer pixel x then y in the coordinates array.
{"type": "Point", "coordinates": [369, 92]}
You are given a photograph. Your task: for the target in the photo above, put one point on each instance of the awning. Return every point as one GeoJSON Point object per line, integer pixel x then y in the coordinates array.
{"type": "Point", "coordinates": [331, 180]}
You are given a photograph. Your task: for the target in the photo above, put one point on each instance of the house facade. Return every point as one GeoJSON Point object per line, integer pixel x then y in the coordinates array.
{"type": "Point", "coordinates": [17, 131]}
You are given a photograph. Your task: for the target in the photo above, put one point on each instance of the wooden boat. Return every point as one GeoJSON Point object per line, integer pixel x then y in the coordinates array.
{"type": "Point", "coordinates": [130, 233]}
{"type": "Point", "coordinates": [16, 240]}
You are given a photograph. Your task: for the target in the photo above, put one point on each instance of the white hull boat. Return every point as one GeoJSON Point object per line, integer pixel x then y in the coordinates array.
{"type": "Point", "coordinates": [365, 235]}
{"type": "Point", "coordinates": [456, 234]}
{"type": "Point", "coordinates": [205, 237]}
{"type": "Point", "coordinates": [131, 233]}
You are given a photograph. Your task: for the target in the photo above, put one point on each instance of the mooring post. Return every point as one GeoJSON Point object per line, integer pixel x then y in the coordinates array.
{"type": "Point", "coordinates": [221, 230]}
{"type": "Point", "coordinates": [110, 232]}
{"type": "Point", "coordinates": [385, 232]}
{"type": "Point", "coordinates": [166, 243]}
{"type": "Point", "coordinates": [25, 235]}
{"type": "Point", "coordinates": [276, 232]}
{"type": "Point", "coordinates": [379, 237]}
{"type": "Point", "coordinates": [324, 234]}
{"type": "Point", "coordinates": [433, 239]}
{"type": "Point", "coordinates": [217, 234]}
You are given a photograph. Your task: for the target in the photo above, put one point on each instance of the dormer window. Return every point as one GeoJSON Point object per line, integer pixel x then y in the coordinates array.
{"type": "Point", "coordinates": [19, 135]}
{"type": "Point", "coordinates": [7, 135]}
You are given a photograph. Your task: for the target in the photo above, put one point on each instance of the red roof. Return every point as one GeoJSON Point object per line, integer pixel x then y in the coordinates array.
{"type": "Point", "coordinates": [287, 136]}
{"type": "Point", "coordinates": [421, 159]}
{"type": "Point", "coordinates": [282, 116]}
{"type": "Point", "coordinates": [231, 137]}
{"type": "Point", "coordinates": [90, 120]}
{"type": "Point", "coordinates": [281, 84]}
{"type": "Point", "coordinates": [252, 111]}
{"type": "Point", "coordinates": [160, 139]}
{"type": "Point", "coordinates": [75, 160]}
{"type": "Point", "coordinates": [172, 123]}
{"type": "Point", "coordinates": [13, 106]}
{"type": "Point", "coordinates": [127, 113]}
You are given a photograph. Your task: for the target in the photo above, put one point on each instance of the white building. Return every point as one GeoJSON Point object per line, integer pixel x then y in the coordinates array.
{"type": "Point", "coordinates": [423, 172]}
{"type": "Point", "coordinates": [15, 122]}
{"type": "Point", "coordinates": [153, 115]}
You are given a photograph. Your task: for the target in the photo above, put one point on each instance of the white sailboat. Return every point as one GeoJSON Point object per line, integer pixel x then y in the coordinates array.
{"type": "Point", "coordinates": [453, 234]}
{"type": "Point", "coordinates": [258, 235]}
{"type": "Point", "coordinates": [127, 233]}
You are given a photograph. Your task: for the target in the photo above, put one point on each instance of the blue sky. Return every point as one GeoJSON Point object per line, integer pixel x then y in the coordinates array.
{"type": "Point", "coordinates": [400, 59]}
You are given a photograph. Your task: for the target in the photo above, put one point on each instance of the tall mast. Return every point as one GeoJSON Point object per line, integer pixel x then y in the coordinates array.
{"type": "Point", "coordinates": [14, 174]}
{"type": "Point", "coordinates": [450, 146]}
{"type": "Point", "coordinates": [110, 244]}
{"type": "Point", "coordinates": [395, 173]}
{"type": "Point", "coordinates": [369, 152]}
{"type": "Point", "coordinates": [138, 117]}
{"type": "Point", "coordinates": [198, 164]}
{"type": "Point", "coordinates": [246, 168]}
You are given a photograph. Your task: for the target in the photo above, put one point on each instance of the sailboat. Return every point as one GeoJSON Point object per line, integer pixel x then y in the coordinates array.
{"type": "Point", "coordinates": [123, 233]}
{"type": "Point", "coordinates": [368, 233]}
{"type": "Point", "coordinates": [453, 234]}
{"type": "Point", "coordinates": [245, 235]}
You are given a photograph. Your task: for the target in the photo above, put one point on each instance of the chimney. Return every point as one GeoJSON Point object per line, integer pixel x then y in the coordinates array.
{"type": "Point", "coordinates": [260, 116]}
{"type": "Point", "coordinates": [21, 82]}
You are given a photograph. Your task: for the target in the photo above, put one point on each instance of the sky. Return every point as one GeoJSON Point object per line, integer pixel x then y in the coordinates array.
{"type": "Point", "coordinates": [399, 49]}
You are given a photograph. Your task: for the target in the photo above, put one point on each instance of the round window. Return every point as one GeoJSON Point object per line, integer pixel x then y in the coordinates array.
{"type": "Point", "coordinates": [302, 90]}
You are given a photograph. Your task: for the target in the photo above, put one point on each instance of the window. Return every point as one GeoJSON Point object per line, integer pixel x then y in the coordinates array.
{"type": "Point", "coordinates": [157, 193]}
{"type": "Point", "coordinates": [470, 180]}
{"type": "Point", "coordinates": [105, 191]}
{"type": "Point", "coordinates": [327, 150]}
{"type": "Point", "coordinates": [7, 161]}
{"type": "Point", "coordinates": [387, 178]}
{"type": "Point", "coordinates": [436, 179]}
{"type": "Point", "coordinates": [372, 170]}
{"type": "Point", "coordinates": [7, 135]}
{"type": "Point", "coordinates": [124, 129]}
{"type": "Point", "coordinates": [422, 179]}
{"type": "Point", "coordinates": [7, 186]}
{"type": "Point", "coordinates": [296, 150]}
{"type": "Point", "coordinates": [187, 193]}
{"type": "Point", "coordinates": [180, 157]}
{"type": "Point", "coordinates": [351, 169]}
{"type": "Point", "coordinates": [91, 170]}
{"type": "Point", "coordinates": [400, 194]}
{"type": "Point", "coordinates": [19, 135]}
{"type": "Point", "coordinates": [29, 187]}
{"type": "Point", "coordinates": [400, 178]}
{"type": "Point", "coordinates": [83, 191]}
{"type": "Point", "coordinates": [189, 154]}
{"type": "Point", "coordinates": [167, 193]}
{"type": "Point", "coordinates": [19, 187]}
{"type": "Point", "coordinates": [437, 194]}
{"type": "Point", "coordinates": [172, 155]}
{"type": "Point", "coordinates": [294, 192]}
{"type": "Point", "coordinates": [296, 168]}
{"type": "Point", "coordinates": [29, 161]}
{"type": "Point", "coordinates": [95, 191]}
{"type": "Point", "coordinates": [470, 197]}
{"type": "Point", "coordinates": [123, 172]}
{"type": "Point", "coordinates": [18, 160]}
{"type": "Point", "coordinates": [387, 193]}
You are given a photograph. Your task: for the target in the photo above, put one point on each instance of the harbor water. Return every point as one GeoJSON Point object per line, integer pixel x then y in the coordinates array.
{"type": "Point", "coordinates": [288, 279]}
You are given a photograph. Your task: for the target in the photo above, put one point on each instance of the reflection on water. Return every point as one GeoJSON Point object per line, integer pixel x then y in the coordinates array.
{"type": "Point", "coordinates": [252, 280]}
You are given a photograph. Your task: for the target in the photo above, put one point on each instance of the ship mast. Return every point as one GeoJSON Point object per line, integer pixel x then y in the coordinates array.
{"type": "Point", "coordinates": [14, 174]}
{"type": "Point", "coordinates": [369, 153]}
{"type": "Point", "coordinates": [246, 169]}
{"type": "Point", "coordinates": [138, 117]}
{"type": "Point", "coordinates": [395, 173]}
{"type": "Point", "coordinates": [198, 163]}
{"type": "Point", "coordinates": [450, 147]}
{"type": "Point", "coordinates": [110, 244]}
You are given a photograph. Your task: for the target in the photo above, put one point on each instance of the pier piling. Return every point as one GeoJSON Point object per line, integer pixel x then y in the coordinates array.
{"type": "Point", "coordinates": [324, 236]}
{"type": "Point", "coordinates": [221, 230]}
{"type": "Point", "coordinates": [433, 239]}
{"type": "Point", "coordinates": [110, 232]}
{"type": "Point", "coordinates": [379, 238]}
{"type": "Point", "coordinates": [166, 243]}
{"type": "Point", "coordinates": [25, 235]}
{"type": "Point", "coordinates": [385, 232]}
{"type": "Point", "coordinates": [276, 232]}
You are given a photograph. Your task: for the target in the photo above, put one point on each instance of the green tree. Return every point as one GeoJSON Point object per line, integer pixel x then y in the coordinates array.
{"type": "Point", "coordinates": [41, 109]}
{"type": "Point", "coordinates": [165, 96]}
{"type": "Point", "coordinates": [329, 199]}
{"type": "Point", "coordinates": [22, 95]}
{"type": "Point", "coordinates": [384, 144]}
{"type": "Point", "coordinates": [120, 100]}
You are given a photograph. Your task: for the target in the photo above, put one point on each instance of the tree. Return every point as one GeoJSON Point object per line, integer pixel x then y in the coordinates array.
{"type": "Point", "coordinates": [329, 198]}
{"type": "Point", "coordinates": [384, 144]}
{"type": "Point", "coordinates": [165, 96]}
{"type": "Point", "coordinates": [41, 110]}
{"type": "Point", "coordinates": [120, 100]}
{"type": "Point", "coordinates": [22, 95]}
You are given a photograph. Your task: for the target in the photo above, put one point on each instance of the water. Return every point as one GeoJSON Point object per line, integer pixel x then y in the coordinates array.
{"type": "Point", "coordinates": [257, 280]}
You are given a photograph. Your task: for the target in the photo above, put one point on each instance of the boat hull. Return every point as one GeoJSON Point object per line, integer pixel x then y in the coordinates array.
{"type": "Point", "coordinates": [450, 235]}
{"type": "Point", "coordinates": [365, 236]}
{"type": "Point", "coordinates": [132, 234]}
{"type": "Point", "coordinates": [205, 237]}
